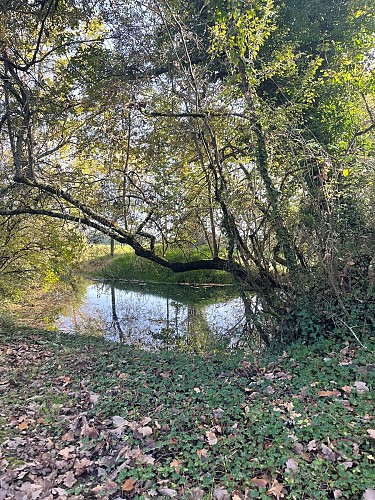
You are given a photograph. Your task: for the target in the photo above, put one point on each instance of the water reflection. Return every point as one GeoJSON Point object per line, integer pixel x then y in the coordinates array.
{"type": "Point", "coordinates": [153, 315]}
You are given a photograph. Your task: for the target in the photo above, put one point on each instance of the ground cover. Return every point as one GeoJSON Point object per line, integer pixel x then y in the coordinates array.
{"type": "Point", "coordinates": [84, 418]}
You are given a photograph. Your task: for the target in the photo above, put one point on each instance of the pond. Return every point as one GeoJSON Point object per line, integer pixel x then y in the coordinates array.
{"type": "Point", "coordinates": [196, 318]}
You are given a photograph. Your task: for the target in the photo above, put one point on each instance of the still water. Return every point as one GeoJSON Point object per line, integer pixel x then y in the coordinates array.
{"type": "Point", "coordinates": [197, 318]}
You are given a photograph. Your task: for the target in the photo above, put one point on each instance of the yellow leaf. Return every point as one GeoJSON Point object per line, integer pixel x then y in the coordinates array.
{"type": "Point", "coordinates": [345, 172]}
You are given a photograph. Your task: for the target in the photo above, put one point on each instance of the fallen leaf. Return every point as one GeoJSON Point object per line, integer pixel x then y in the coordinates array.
{"type": "Point", "coordinates": [168, 492]}
{"type": "Point", "coordinates": [120, 424]}
{"type": "Point", "coordinates": [60, 492]}
{"type": "Point", "coordinates": [291, 465]}
{"type": "Point", "coordinates": [80, 466]}
{"type": "Point", "coordinates": [123, 376]}
{"type": "Point", "coordinates": [107, 488]}
{"type": "Point", "coordinates": [298, 449]}
{"type": "Point", "coordinates": [142, 432]}
{"type": "Point", "coordinates": [94, 398]}
{"type": "Point", "coordinates": [32, 490]}
{"type": "Point", "coordinates": [221, 493]}
{"type": "Point", "coordinates": [337, 494]}
{"type": "Point", "coordinates": [69, 479]}
{"type": "Point", "coordinates": [261, 483]}
{"type": "Point", "coordinates": [65, 452]}
{"type": "Point", "coordinates": [68, 436]}
{"type": "Point", "coordinates": [328, 453]}
{"type": "Point", "coordinates": [211, 438]}
{"type": "Point", "coordinates": [147, 460]}
{"type": "Point", "coordinates": [369, 495]}
{"type": "Point", "coordinates": [202, 453]}
{"type": "Point", "coordinates": [347, 465]}
{"type": "Point", "coordinates": [87, 431]}
{"type": "Point", "coordinates": [165, 374]}
{"type": "Point", "coordinates": [23, 426]}
{"type": "Point", "coordinates": [328, 394]}
{"type": "Point", "coordinates": [347, 388]}
{"type": "Point", "coordinates": [218, 413]}
{"type": "Point", "coordinates": [371, 433]}
{"type": "Point", "coordinates": [276, 490]}
{"type": "Point", "coordinates": [311, 445]}
{"type": "Point", "coordinates": [197, 390]}
{"type": "Point", "coordinates": [196, 494]}
{"type": "Point", "coordinates": [175, 464]}
{"type": "Point", "coordinates": [361, 387]}
{"type": "Point", "coordinates": [128, 484]}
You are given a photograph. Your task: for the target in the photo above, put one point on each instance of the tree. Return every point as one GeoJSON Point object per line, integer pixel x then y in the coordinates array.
{"type": "Point", "coordinates": [235, 124]}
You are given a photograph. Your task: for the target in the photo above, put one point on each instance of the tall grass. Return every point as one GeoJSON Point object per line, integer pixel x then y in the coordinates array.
{"type": "Point", "coordinates": [125, 265]}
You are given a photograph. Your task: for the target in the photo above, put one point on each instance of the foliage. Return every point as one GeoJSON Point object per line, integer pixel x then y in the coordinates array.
{"type": "Point", "coordinates": [36, 250]}
{"type": "Point", "coordinates": [89, 418]}
{"type": "Point", "coordinates": [244, 126]}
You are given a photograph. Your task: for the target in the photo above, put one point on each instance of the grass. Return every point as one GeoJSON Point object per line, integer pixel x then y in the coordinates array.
{"type": "Point", "coordinates": [127, 266]}
{"type": "Point", "coordinates": [293, 425]}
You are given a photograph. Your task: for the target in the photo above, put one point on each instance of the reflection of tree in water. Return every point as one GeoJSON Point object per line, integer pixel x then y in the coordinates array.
{"type": "Point", "coordinates": [116, 325]}
{"type": "Point", "coordinates": [88, 322]}
{"type": "Point", "coordinates": [142, 318]}
{"type": "Point", "coordinates": [192, 333]}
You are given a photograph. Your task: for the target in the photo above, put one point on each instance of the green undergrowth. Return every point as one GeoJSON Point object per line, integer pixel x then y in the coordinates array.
{"type": "Point", "coordinates": [126, 265]}
{"type": "Point", "coordinates": [109, 421]}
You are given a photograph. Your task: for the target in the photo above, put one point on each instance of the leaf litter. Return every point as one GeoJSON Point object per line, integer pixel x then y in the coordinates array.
{"type": "Point", "coordinates": [75, 425]}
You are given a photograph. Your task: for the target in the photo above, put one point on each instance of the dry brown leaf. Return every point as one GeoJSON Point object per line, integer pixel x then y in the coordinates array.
{"type": "Point", "coordinates": [328, 453]}
{"type": "Point", "coordinates": [221, 493]}
{"type": "Point", "coordinates": [65, 452]}
{"type": "Point", "coordinates": [23, 426]}
{"type": "Point", "coordinates": [196, 494]}
{"type": "Point", "coordinates": [128, 484]}
{"type": "Point", "coordinates": [329, 394]}
{"type": "Point", "coordinates": [311, 445]}
{"type": "Point", "coordinates": [123, 376]}
{"type": "Point", "coordinates": [371, 433]}
{"type": "Point", "coordinates": [147, 460]}
{"type": "Point", "coordinates": [202, 453]}
{"type": "Point", "coordinates": [168, 492]}
{"type": "Point", "coordinates": [143, 431]}
{"type": "Point", "coordinates": [80, 466]}
{"type": "Point", "coordinates": [68, 437]}
{"type": "Point", "coordinates": [69, 479]}
{"type": "Point", "coordinates": [32, 490]}
{"type": "Point", "coordinates": [106, 488]}
{"type": "Point", "coordinates": [261, 483]}
{"type": "Point", "coordinates": [276, 490]}
{"type": "Point", "coordinates": [175, 464]}
{"type": "Point", "coordinates": [211, 438]}
{"type": "Point", "coordinates": [291, 466]}
{"type": "Point", "coordinates": [94, 398]}
{"type": "Point", "coordinates": [361, 387]}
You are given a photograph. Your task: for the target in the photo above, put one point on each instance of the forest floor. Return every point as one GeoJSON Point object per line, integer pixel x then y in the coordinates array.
{"type": "Point", "coordinates": [83, 418]}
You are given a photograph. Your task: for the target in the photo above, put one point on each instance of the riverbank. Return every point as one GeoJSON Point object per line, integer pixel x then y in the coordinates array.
{"type": "Point", "coordinates": [125, 265]}
{"type": "Point", "coordinates": [84, 418]}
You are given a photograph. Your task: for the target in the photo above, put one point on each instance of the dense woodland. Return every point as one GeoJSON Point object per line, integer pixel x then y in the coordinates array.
{"type": "Point", "coordinates": [241, 128]}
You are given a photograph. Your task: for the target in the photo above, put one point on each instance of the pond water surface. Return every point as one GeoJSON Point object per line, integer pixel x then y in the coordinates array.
{"type": "Point", "coordinates": [197, 318]}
